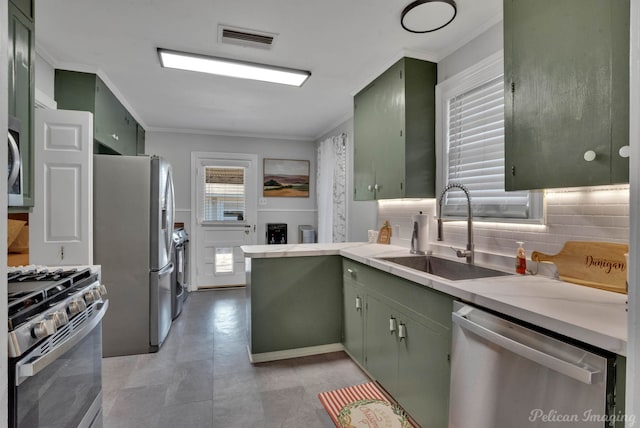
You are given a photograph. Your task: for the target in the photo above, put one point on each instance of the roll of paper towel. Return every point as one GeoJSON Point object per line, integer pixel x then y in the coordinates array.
{"type": "Point", "coordinates": [422, 221]}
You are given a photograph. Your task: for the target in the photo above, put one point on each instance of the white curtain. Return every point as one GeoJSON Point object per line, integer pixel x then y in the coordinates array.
{"type": "Point", "coordinates": [331, 183]}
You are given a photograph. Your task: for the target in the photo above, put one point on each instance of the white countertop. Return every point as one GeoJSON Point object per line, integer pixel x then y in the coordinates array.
{"type": "Point", "coordinates": [589, 315]}
{"type": "Point", "coordinates": [298, 250]}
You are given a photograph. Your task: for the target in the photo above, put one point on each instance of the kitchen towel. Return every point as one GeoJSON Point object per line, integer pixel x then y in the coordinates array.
{"type": "Point", "coordinates": [423, 231]}
{"type": "Point", "coordinates": [363, 406]}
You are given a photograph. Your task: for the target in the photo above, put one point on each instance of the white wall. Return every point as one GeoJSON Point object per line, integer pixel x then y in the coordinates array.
{"type": "Point", "coordinates": [481, 47]}
{"type": "Point", "coordinates": [361, 215]}
{"type": "Point", "coordinates": [45, 77]}
{"type": "Point", "coordinates": [177, 148]}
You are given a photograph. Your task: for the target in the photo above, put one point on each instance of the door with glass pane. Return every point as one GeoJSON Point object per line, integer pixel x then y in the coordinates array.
{"type": "Point", "coordinates": [226, 217]}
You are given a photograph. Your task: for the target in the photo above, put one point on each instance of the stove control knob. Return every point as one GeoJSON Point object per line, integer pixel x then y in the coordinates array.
{"type": "Point", "coordinates": [92, 296]}
{"type": "Point", "coordinates": [76, 306]}
{"type": "Point", "coordinates": [102, 289]}
{"type": "Point", "coordinates": [43, 329]}
{"type": "Point", "coordinates": [59, 318]}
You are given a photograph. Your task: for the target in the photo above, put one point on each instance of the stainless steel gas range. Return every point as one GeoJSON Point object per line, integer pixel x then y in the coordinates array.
{"type": "Point", "coordinates": [55, 347]}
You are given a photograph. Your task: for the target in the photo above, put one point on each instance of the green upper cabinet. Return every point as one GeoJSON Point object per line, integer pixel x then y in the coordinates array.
{"type": "Point", "coordinates": [115, 131]}
{"type": "Point", "coordinates": [394, 133]}
{"type": "Point", "coordinates": [566, 93]}
{"type": "Point", "coordinates": [140, 139]}
{"type": "Point", "coordinates": [21, 87]}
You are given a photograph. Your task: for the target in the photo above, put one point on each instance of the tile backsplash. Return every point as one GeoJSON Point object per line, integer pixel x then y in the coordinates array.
{"type": "Point", "coordinates": [576, 214]}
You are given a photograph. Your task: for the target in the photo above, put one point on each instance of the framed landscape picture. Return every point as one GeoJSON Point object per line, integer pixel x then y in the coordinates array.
{"type": "Point", "coordinates": [286, 178]}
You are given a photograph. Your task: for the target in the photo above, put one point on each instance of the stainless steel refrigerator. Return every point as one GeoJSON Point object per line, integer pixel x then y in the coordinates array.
{"type": "Point", "coordinates": [133, 227]}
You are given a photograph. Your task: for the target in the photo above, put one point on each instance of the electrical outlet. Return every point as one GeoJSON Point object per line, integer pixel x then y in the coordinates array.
{"type": "Point", "coordinates": [262, 201]}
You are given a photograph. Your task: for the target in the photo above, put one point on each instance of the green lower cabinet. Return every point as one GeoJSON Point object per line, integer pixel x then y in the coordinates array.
{"type": "Point", "coordinates": [618, 407]}
{"type": "Point", "coordinates": [294, 302]}
{"type": "Point", "coordinates": [353, 315]}
{"type": "Point", "coordinates": [407, 339]}
{"type": "Point", "coordinates": [409, 356]}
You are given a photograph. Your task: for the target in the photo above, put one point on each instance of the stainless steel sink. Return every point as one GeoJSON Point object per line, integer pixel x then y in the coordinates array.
{"type": "Point", "coordinates": [449, 269]}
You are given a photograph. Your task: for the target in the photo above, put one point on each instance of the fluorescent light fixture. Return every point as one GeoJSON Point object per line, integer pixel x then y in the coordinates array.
{"type": "Point", "coordinates": [232, 68]}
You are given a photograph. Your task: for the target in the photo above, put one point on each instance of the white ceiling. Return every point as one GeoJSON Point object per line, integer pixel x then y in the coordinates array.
{"type": "Point", "coordinates": [344, 43]}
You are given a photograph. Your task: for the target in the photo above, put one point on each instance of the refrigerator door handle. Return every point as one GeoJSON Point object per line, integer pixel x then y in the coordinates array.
{"type": "Point", "coordinates": [585, 374]}
{"type": "Point", "coordinates": [168, 269]}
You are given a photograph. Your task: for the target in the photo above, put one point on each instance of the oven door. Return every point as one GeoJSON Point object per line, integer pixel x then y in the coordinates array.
{"type": "Point", "coordinates": [14, 182]}
{"type": "Point", "coordinates": [59, 383]}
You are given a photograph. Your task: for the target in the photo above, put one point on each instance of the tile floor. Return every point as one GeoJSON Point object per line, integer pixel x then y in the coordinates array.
{"type": "Point", "coordinates": [201, 377]}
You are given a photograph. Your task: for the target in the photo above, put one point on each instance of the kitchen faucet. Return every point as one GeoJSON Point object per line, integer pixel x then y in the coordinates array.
{"type": "Point", "coordinates": [468, 253]}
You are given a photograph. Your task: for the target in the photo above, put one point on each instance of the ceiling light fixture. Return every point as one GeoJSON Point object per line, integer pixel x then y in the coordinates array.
{"type": "Point", "coordinates": [231, 68]}
{"type": "Point", "coordinates": [425, 16]}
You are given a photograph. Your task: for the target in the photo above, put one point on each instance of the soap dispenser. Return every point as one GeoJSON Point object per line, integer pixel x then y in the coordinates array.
{"type": "Point", "coordinates": [521, 259]}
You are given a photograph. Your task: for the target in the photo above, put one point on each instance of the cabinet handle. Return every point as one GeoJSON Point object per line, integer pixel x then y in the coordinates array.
{"type": "Point", "coordinates": [402, 331]}
{"type": "Point", "coordinates": [377, 187]}
{"type": "Point", "coordinates": [624, 151]}
{"type": "Point", "coordinates": [370, 188]}
{"type": "Point", "coordinates": [589, 155]}
{"type": "Point", "coordinates": [351, 272]}
{"type": "Point", "coordinates": [115, 137]}
{"type": "Point", "coordinates": [358, 303]}
{"type": "Point", "coordinates": [393, 325]}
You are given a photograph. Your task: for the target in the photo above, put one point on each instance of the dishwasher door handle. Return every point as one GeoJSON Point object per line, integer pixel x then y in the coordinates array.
{"type": "Point", "coordinates": [582, 374]}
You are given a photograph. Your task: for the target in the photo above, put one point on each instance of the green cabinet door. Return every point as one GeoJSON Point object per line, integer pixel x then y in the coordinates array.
{"type": "Point", "coordinates": [394, 133]}
{"type": "Point", "coordinates": [389, 127]}
{"type": "Point", "coordinates": [381, 352]}
{"type": "Point", "coordinates": [353, 316]}
{"type": "Point", "coordinates": [424, 370]}
{"type": "Point", "coordinates": [364, 176]}
{"type": "Point", "coordinates": [140, 139]}
{"type": "Point", "coordinates": [21, 90]}
{"type": "Point", "coordinates": [566, 92]}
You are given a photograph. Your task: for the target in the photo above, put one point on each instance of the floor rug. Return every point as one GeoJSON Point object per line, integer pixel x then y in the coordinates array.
{"type": "Point", "coordinates": [363, 406]}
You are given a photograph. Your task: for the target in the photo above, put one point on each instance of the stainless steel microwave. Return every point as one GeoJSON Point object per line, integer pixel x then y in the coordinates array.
{"type": "Point", "coordinates": [15, 183]}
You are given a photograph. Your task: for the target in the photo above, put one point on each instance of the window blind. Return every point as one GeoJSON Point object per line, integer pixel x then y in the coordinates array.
{"type": "Point", "coordinates": [224, 194]}
{"type": "Point", "coordinates": [475, 154]}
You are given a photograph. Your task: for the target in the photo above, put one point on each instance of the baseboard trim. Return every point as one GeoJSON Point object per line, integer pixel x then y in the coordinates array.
{"type": "Point", "coordinates": [293, 353]}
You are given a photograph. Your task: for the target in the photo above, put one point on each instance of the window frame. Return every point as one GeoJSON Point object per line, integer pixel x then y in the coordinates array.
{"type": "Point", "coordinates": [465, 81]}
{"type": "Point", "coordinates": [202, 194]}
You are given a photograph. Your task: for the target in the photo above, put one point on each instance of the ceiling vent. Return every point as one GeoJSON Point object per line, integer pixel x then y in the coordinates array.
{"type": "Point", "coordinates": [243, 37]}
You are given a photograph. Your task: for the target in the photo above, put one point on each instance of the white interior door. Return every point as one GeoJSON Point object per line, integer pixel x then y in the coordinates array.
{"type": "Point", "coordinates": [225, 200]}
{"type": "Point", "coordinates": [61, 224]}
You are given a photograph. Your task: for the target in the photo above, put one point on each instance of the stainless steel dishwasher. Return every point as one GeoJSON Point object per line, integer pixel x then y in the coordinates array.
{"type": "Point", "coordinates": [504, 375]}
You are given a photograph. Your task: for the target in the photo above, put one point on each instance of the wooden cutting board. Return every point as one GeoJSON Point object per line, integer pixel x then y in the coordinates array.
{"type": "Point", "coordinates": [594, 264]}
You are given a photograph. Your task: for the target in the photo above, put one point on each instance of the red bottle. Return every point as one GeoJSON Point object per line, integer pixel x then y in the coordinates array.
{"type": "Point", "coordinates": [521, 259]}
